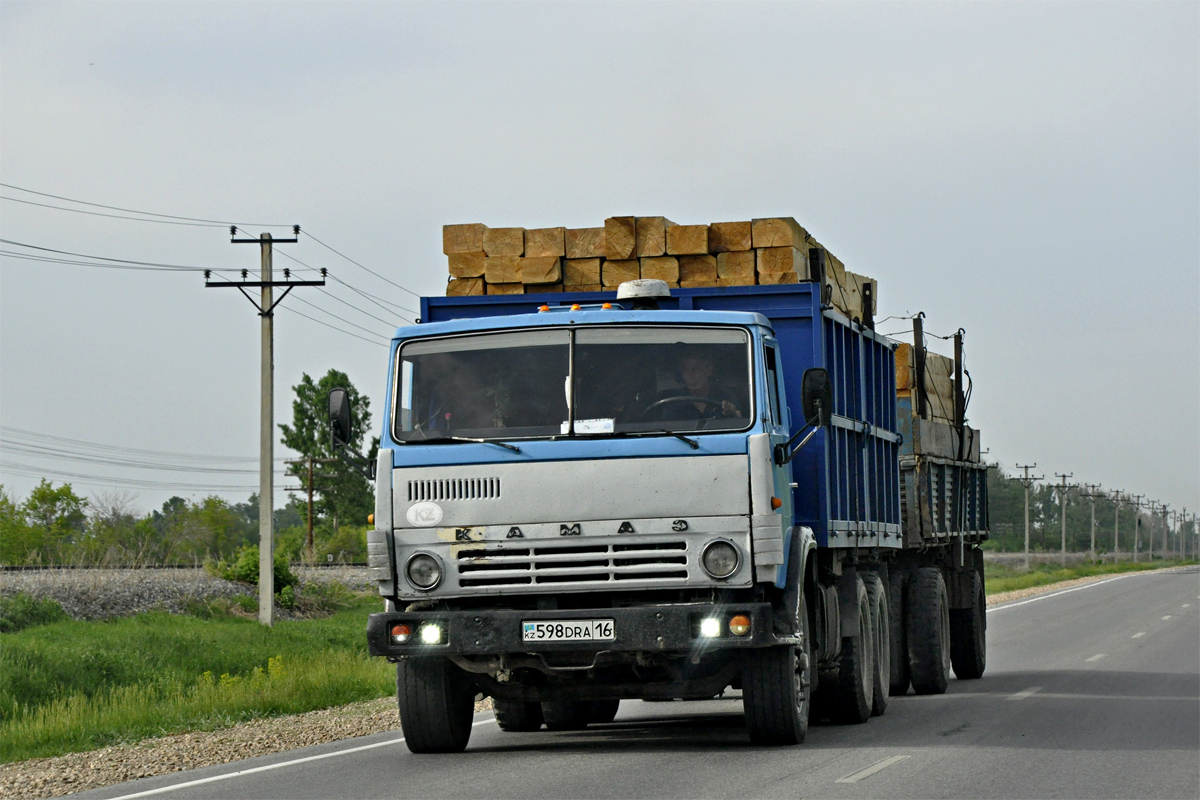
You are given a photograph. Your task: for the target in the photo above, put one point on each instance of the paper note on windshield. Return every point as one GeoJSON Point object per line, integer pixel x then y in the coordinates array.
{"type": "Point", "coordinates": [586, 426]}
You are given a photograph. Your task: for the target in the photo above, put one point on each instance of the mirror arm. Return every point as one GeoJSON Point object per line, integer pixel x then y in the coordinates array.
{"type": "Point", "coordinates": [782, 454]}
{"type": "Point", "coordinates": [361, 464]}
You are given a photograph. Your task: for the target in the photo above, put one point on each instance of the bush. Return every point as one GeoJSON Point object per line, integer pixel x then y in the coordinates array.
{"type": "Point", "coordinates": [22, 611]}
{"type": "Point", "coordinates": [245, 569]}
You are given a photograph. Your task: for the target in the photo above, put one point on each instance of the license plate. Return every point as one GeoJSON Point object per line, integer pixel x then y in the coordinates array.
{"type": "Point", "coordinates": [574, 630]}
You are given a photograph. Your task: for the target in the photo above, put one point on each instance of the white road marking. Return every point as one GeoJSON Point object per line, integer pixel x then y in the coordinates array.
{"type": "Point", "coordinates": [1187, 605]}
{"type": "Point", "coordinates": [1064, 591]}
{"type": "Point", "coordinates": [855, 777]}
{"type": "Point", "coordinates": [1026, 693]}
{"type": "Point", "coordinates": [1096, 657]}
{"type": "Point", "coordinates": [1138, 635]}
{"type": "Point", "coordinates": [1168, 616]}
{"type": "Point", "coordinates": [269, 767]}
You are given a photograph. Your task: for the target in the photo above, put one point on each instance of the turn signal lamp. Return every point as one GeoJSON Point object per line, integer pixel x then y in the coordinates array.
{"type": "Point", "coordinates": [370, 519]}
{"type": "Point", "coordinates": [776, 502]}
{"type": "Point", "coordinates": [710, 628]}
{"type": "Point", "coordinates": [431, 633]}
{"type": "Point", "coordinates": [401, 633]}
{"type": "Point", "coordinates": [739, 625]}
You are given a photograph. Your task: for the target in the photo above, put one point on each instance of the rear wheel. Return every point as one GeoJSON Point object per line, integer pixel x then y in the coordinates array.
{"type": "Point", "coordinates": [882, 651]}
{"type": "Point", "coordinates": [968, 634]}
{"type": "Point", "coordinates": [604, 711]}
{"type": "Point", "coordinates": [517, 717]}
{"type": "Point", "coordinates": [567, 715]}
{"type": "Point", "coordinates": [928, 631]}
{"type": "Point", "coordinates": [436, 703]}
{"type": "Point", "coordinates": [853, 694]}
{"type": "Point", "coordinates": [776, 687]}
{"type": "Point", "coordinates": [897, 603]}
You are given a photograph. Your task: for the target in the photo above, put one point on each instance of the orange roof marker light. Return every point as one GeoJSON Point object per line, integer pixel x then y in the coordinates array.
{"type": "Point", "coordinates": [543, 308]}
{"type": "Point", "coordinates": [607, 306]}
{"type": "Point", "coordinates": [575, 306]}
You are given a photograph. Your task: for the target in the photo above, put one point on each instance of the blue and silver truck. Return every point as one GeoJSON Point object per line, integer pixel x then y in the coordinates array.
{"type": "Point", "coordinates": [663, 493]}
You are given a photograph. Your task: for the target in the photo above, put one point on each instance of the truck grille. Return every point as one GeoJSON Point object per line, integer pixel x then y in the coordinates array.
{"type": "Point", "coordinates": [583, 563]}
{"type": "Point", "coordinates": [454, 489]}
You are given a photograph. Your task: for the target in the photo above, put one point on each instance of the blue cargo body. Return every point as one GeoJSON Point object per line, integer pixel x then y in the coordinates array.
{"type": "Point", "coordinates": [847, 477]}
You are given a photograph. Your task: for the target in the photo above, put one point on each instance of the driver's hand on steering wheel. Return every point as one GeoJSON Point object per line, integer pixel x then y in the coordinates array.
{"type": "Point", "coordinates": [728, 409]}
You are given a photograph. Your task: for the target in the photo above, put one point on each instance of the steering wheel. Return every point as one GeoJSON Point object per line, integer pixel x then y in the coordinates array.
{"type": "Point", "coordinates": [683, 398]}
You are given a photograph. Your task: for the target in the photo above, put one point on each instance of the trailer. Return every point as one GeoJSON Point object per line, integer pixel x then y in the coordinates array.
{"type": "Point", "coordinates": [657, 494]}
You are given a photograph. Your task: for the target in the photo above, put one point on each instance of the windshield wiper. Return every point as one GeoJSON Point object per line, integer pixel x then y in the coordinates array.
{"type": "Point", "coordinates": [694, 444]}
{"type": "Point", "coordinates": [505, 445]}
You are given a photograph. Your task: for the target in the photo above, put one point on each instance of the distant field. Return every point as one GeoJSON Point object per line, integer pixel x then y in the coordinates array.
{"type": "Point", "coordinates": [78, 685]}
{"type": "Point", "coordinates": [1001, 578]}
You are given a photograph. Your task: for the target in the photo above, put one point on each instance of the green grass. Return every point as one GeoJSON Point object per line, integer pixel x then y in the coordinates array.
{"type": "Point", "coordinates": [74, 685]}
{"type": "Point", "coordinates": [1006, 579]}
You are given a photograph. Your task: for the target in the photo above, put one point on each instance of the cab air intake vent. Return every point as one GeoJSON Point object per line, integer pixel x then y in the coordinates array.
{"type": "Point", "coordinates": [454, 489]}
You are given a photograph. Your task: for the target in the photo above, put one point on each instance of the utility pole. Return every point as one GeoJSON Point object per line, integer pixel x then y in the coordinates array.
{"type": "Point", "coordinates": [1137, 525]}
{"type": "Point", "coordinates": [1091, 496]}
{"type": "Point", "coordinates": [1116, 525]}
{"type": "Point", "coordinates": [1150, 533]}
{"type": "Point", "coordinates": [1062, 499]}
{"type": "Point", "coordinates": [310, 487]}
{"type": "Point", "coordinates": [1027, 482]}
{"type": "Point", "coordinates": [266, 437]}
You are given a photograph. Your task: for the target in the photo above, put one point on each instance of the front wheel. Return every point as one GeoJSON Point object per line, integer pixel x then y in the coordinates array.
{"type": "Point", "coordinates": [436, 703]}
{"type": "Point", "coordinates": [776, 689]}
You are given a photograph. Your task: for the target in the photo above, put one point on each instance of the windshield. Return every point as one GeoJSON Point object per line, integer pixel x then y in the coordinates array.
{"type": "Point", "coordinates": [626, 380]}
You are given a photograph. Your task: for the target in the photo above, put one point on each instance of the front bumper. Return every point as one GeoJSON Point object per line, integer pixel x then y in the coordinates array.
{"type": "Point", "coordinates": [660, 629]}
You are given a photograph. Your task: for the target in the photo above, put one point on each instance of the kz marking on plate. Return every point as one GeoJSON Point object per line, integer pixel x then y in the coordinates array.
{"type": "Point", "coordinates": [571, 630]}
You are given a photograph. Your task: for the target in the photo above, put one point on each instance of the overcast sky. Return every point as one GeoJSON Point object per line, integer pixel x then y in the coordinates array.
{"type": "Point", "coordinates": [1029, 172]}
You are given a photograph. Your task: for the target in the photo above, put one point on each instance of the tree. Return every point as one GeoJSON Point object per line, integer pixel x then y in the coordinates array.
{"type": "Point", "coordinates": [58, 518]}
{"type": "Point", "coordinates": [344, 494]}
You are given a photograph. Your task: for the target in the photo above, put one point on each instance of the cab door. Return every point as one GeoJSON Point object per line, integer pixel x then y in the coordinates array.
{"type": "Point", "coordinates": [778, 426]}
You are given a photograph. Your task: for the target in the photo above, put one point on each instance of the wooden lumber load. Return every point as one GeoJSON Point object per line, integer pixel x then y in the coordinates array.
{"type": "Point", "coordinates": [939, 382]}
{"type": "Point", "coordinates": [769, 250]}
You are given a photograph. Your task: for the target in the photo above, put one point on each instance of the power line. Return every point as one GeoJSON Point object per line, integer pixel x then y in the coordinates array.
{"type": "Point", "coordinates": [382, 304]}
{"type": "Point", "coordinates": [360, 266]}
{"type": "Point", "coordinates": [28, 470]}
{"type": "Point", "coordinates": [333, 296]}
{"type": "Point", "coordinates": [115, 261]}
{"type": "Point", "coordinates": [135, 211]}
{"type": "Point", "coordinates": [113, 216]}
{"type": "Point", "coordinates": [10, 432]}
{"type": "Point", "coordinates": [334, 327]}
{"type": "Point", "coordinates": [335, 316]}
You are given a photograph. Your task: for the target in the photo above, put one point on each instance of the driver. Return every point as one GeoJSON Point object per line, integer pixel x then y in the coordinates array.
{"type": "Point", "coordinates": [705, 394]}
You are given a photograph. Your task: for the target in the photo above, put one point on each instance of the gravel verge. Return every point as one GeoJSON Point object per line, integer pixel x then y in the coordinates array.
{"type": "Point", "coordinates": [77, 772]}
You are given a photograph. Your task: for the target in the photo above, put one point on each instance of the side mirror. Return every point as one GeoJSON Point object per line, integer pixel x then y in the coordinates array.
{"type": "Point", "coordinates": [341, 427]}
{"type": "Point", "coordinates": [816, 396]}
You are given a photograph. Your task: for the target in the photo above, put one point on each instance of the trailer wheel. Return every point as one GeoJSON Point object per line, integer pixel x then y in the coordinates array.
{"type": "Point", "coordinates": [968, 634]}
{"type": "Point", "coordinates": [928, 631]}
{"type": "Point", "coordinates": [436, 705]}
{"type": "Point", "coordinates": [603, 711]}
{"type": "Point", "coordinates": [881, 653]}
{"type": "Point", "coordinates": [777, 689]}
{"type": "Point", "coordinates": [567, 715]}
{"type": "Point", "coordinates": [899, 641]}
{"type": "Point", "coordinates": [517, 717]}
{"type": "Point", "coordinates": [853, 695]}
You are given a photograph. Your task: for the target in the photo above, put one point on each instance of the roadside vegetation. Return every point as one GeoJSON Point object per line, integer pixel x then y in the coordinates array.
{"type": "Point", "coordinates": [72, 685]}
{"type": "Point", "coordinates": [1000, 578]}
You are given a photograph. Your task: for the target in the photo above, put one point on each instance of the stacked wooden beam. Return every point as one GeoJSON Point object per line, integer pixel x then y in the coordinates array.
{"type": "Point", "coordinates": [939, 381]}
{"type": "Point", "coordinates": [774, 250]}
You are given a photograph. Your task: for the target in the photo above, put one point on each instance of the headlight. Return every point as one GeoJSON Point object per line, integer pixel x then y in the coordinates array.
{"type": "Point", "coordinates": [424, 571]}
{"type": "Point", "coordinates": [720, 559]}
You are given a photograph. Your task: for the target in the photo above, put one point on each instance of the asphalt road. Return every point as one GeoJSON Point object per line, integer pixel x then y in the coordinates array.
{"type": "Point", "coordinates": [1089, 692]}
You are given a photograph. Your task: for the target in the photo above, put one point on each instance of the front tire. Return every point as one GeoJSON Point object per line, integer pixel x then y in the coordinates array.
{"type": "Point", "coordinates": [776, 689]}
{"type": "Point", "coordinates": [517, 717]}
{"type": "Point", "coordinates": [968, 634]}
{"type": "Point", "coordinates": [882, 654]}
{"type": "Point", "coordinates": [437, 702]}
{"type": "Point", "coordinates": [928, 631]}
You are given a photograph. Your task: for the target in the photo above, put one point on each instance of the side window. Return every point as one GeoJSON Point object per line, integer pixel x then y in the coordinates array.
{"type": "Point", "coordinates": [773, 385]}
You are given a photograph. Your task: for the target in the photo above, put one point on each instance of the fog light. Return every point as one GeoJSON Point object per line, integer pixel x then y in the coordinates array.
{"type": "Point", "coordinates": [710, 628]}
{"type": "Point", "coordinates": [431, 634]}
{"type": "Point", "coordinates": [720, 559]}
{"type": "Point", "coordinates": [739, 625]}
{"type": "Point", "coordinates": [401, 633]}
{"type": "Point", "coordinates": [424, 571]}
